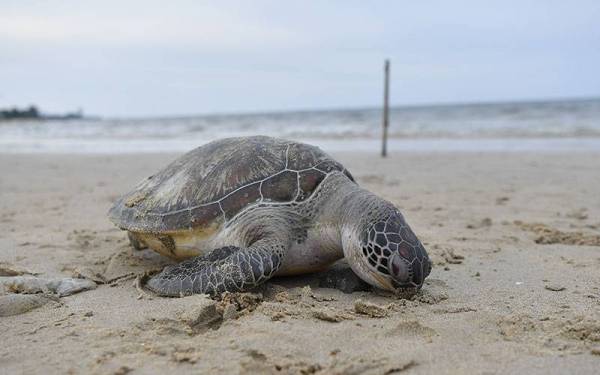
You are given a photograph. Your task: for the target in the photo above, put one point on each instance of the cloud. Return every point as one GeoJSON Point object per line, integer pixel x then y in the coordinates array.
{"type": "Point", "coordinates": [118, 24]}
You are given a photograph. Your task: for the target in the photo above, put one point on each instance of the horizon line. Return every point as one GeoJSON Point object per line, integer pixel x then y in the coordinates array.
{"type": "Point", "coordinates": [336, 109]}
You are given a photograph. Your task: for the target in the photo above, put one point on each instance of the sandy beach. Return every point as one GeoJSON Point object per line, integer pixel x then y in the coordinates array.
{"type": "Point", "coordinates": [515, 286]}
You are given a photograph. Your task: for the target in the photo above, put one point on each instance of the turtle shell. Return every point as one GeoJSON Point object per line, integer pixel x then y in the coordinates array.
{"type": "Point", "coordinates": [214, 182]}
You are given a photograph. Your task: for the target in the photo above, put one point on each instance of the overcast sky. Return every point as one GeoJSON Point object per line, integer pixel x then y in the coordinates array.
{"type": "Point", "coordinates": [145, 58]}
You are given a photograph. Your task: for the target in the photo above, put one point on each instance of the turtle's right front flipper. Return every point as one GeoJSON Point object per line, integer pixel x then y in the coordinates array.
{"type": "Point", "coordinates": [224, 269]}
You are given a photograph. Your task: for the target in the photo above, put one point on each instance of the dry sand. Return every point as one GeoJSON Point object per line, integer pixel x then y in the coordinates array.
{"type": "Point", "coordinates": [515, 284]}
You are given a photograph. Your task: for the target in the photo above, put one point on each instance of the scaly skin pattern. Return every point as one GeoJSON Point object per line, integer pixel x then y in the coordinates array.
{"type": "Point", "coordinates": [224, 269]}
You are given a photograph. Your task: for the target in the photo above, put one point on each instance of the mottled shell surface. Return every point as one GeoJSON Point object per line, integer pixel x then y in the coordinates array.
{"type": "Point", "coordinates": [214, 182]}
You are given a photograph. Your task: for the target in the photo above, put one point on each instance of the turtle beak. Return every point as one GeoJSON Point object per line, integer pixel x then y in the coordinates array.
{"type": "Point", "coordinates": [407, 275]}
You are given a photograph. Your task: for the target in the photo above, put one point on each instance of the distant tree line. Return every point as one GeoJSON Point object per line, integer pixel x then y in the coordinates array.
{"type": "Point", "coordinates": [32, 112]}
{"type": "Point", "coordinates": [12, 113]}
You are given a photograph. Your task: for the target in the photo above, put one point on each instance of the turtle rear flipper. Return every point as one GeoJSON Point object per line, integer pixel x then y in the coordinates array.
{"type": "Point", "coordinates": [225, 269]}
{"type": "Point", "coordinates": [135, 242]}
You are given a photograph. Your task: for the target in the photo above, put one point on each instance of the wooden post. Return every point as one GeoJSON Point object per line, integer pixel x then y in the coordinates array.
{"type": "Point", "coordinates": [386, 108]}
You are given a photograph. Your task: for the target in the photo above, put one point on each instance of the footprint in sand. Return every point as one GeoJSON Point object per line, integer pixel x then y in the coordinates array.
{"type": "Point", "coordinates": [546, 235]}
{"type": "Point", "coordinates": [412, 328]}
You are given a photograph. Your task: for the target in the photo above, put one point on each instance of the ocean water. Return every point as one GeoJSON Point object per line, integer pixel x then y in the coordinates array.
{"type": "Point", "coordinates": [522, 126]}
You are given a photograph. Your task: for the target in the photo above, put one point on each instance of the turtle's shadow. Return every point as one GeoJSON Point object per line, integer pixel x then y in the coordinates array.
{"type": "Point", "coordinates": [337, 276]}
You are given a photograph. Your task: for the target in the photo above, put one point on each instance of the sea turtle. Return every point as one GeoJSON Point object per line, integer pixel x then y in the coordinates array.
{"type": "Point", "coordinates": [238, 211]}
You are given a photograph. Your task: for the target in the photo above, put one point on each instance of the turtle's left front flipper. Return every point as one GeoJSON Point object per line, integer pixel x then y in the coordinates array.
{"type": "Point", "coordinates": [225, 269]}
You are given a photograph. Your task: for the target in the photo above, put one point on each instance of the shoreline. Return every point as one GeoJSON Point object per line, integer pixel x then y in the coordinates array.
{"type": "Point", "coordinates": [423, 145]}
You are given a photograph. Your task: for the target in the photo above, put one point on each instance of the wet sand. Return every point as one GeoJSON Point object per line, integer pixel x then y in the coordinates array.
{"type": "Point", "coordinates": [515, 286]}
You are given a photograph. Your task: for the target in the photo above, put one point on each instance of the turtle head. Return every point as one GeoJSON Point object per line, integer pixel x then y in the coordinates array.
{"type": "Point", "coordinates": [387, 254]}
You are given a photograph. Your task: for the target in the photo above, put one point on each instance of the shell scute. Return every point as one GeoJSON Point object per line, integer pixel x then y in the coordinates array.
{"type": "Point", "coordinates": [309, 180]}
{"type": "Point", "coordinates": [301, 156]}
{"type": "Point", "coordinates": [282, 187]}
{"type": "Point", "coordinates": [204, 215]}
{"type": "Point", "coordinates": [328, 166]}
{"type": "Point", "coordinates": [236, 201]}
{"type": "Point", "coordinates": [176, 220]}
